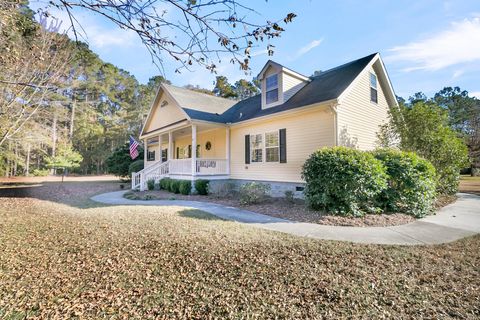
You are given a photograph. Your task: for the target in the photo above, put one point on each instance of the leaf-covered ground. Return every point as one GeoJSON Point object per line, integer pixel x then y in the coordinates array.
{"type": "Point", "coordinates": [63, 257]}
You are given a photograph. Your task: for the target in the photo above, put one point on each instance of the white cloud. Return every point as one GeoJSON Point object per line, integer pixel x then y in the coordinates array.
{"type": "Point", "coordinates": [475, 94]}
{"type": "Point", "coordinates": [458, 73]}
{"type": "Point", "coordinates": [456, 45]}
{"type": "Point", "coordinates": [303, 50]}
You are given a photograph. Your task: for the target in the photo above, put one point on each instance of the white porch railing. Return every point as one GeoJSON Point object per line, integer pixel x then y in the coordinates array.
{"type": "Point", "coordinates": [157, 171]}
{"type": "Point", "coordinates": [181, 166]}
{"type": "Point", "coordinates": [211, 166]}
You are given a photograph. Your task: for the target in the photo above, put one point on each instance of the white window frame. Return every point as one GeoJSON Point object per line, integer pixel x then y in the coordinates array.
{"type": "Point", "coordinates": [267, 89]}
{"type": "Point", "coordinates": [272, 147]}
{"type": "Point", "coordinates": [264, 147]}
{"type": "Point", "coordinates": [373, 87]}
{"type": "Point", "coordinates": [252, 149]}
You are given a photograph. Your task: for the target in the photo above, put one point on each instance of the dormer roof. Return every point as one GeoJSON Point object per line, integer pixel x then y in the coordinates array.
{"type": "Point", "coordinates": [282, 68]}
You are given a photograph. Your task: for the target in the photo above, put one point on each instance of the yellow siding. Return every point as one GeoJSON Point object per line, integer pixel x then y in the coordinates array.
{"type": "Point", "coordinates": [305, 134]}
{"type": "Point", "coordinates": [216, 138]}
{"type": "Point", "coordinates": [358, 118]}
{"type": "Point", "coordinates": [291, 85]}
{"type": "Point", "coordinates": [163, 116]}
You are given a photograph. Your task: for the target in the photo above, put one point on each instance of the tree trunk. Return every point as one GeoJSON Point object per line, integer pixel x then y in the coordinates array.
{"type": "Point", "coordinates": [7, 172]}
{"type": "Point", "coordinates": [54, 134]}
{"type": "Point", "coordinates": [54, 138]}
{"type": "Point", "coordinates": [72, 120]}
{"type": "Point", "coordinates": [27, 165]}
{"type": "Point", "coordinates": [15, 163]}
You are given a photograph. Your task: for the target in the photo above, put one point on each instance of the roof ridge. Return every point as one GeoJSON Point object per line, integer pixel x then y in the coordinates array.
{"type": "Point", "coordinates": [344, 65]}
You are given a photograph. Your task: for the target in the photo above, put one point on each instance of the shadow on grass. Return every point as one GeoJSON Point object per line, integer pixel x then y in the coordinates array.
{"type": "Point", "coordinates": [72, 193]}
{"type": "Point", "coordinates": [198, 214]}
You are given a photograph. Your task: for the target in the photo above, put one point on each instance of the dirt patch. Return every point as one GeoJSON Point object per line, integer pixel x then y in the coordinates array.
{"type": "Point", "coordinates": [282, 208]}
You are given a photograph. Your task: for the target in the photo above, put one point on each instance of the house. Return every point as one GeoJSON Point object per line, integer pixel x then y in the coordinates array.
{"type": "Point", "coordinates": [268, 137]}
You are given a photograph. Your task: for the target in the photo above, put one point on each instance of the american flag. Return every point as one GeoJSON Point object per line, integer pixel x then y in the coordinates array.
{"type": "Point", "coordinates": [133, 148]}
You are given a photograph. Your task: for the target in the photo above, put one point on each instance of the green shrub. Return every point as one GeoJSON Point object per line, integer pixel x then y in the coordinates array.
{"type": "Point", "coordinates": [289, 196]}
{"type": "Point", "coordinates": [343, 181]}
{"type": "Point", "coordinates": [202, 186]}
{"type": "Point", "coordinates": [253, 192]}
{"type": "Point", "coordinates": [424, 128]}
{"type": "Point", "coordinates": [135, 166]}
{"type": "Point", "coordinates": [411, 183]}
{"type": "Point", "coordinates": [40, 172]}
{"type": "Point", "coordinates": [148, 197]}
{"type": "Point", "coordinates": [174, 186]}
{"type": "Point", "coordinates": [150, 184]}
{"type": "Point", "coordinates": [185, 187]}
{"type": "Point", "coordinates": [131, 195]}
{"type": "Point", "coordinates": [165, 184]}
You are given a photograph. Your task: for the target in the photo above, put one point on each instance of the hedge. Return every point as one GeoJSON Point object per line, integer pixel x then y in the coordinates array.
{"type": "Point", "coordinates": [343, 181]}
{"type": "Point", "coordinates": [185, 187]}
{"type": "Point", "coordinates": [411, 183]}
{"type": "Point", "coordinates": [201, 186]}
{"type": "Point", "coordinates": [176, 186]}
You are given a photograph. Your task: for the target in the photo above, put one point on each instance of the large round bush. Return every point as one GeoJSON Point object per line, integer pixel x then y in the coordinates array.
{"type": "Point", "coordinates": [343, 181]}
{"type": "Point", "coordinates": [411, 183]}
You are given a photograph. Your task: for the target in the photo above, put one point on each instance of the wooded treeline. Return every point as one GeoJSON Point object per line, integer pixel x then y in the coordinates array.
{"type": "Point", "coordinates": [58, 99]}
{"type": "Point", "coordinates": [57, 95]}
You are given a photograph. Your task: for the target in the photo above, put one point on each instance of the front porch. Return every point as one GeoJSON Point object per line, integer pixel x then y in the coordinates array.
{"type": "Point", "coordinates": [169, 153]}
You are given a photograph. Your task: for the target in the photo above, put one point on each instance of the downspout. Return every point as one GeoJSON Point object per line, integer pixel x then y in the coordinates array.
{"type": "Point", "coordinates": [335, 123]}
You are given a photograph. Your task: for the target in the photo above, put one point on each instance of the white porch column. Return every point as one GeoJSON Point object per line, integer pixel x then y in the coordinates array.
{"type": "Point", "coordinates": [160, 147]}
{"type": "Point", "coordinates": [227, 148]}
{"type": "Point", "coordinates": [145, 152]}
{"type": "Point", "coordinates": [194, 150]}
{"type": "Point", "coordinates": [145, 164]}
{"type": "Point", "coordinates": [170, 145]}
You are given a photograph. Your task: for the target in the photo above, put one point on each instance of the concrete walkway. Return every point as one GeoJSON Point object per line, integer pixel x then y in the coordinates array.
{"type": "Point", "coordinates": [455, 221]}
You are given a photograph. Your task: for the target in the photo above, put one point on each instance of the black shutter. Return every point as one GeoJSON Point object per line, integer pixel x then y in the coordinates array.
{"type": "Point", "coordinates": [190, 151]}
{"type": "Point", "coordinates": [283, 145]}
{"type": "Point", "coordinates": [178, 152]}
{"type": "Point", "coordinates": [247, 149]}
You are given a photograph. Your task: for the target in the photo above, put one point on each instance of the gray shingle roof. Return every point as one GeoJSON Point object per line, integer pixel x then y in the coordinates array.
{"type": "Point", "coordinates": [189, 99]}
{"type": "Point", "coordinates": [326, 86]}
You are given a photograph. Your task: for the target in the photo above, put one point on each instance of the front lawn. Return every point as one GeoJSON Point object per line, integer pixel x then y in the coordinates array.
{"type": "Point", "coordinates": [63, 257]}
{"type": "Point", "coordinates": [470, 184]}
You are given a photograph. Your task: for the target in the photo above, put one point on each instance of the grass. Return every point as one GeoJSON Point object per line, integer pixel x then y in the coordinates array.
{"type": "Point", "coordinates": [470, 184]}
{"type": "Point", "coordinates": [64, 257]}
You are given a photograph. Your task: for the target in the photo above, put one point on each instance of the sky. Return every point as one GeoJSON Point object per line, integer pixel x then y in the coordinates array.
{"type": "Point", "coordinates": [426, 44]}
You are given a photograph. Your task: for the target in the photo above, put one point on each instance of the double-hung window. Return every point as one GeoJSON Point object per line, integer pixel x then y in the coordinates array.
{"type": "Point", "coordinates": [256, 147]}
{"type": "Point", "coordinates": [272, 147]}
{"type": "Point", "coordinates": [373, 88]}
{"type": "Point", "coordinates": [150, 155]}
{"type": "Point", "coordinates": [271, 89]}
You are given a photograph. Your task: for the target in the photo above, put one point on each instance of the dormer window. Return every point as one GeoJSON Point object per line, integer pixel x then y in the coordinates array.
{"type": "Point", "coordinates": [271, 88]}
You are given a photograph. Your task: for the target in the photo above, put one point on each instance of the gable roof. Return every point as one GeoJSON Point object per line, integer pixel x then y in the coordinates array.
{"type": "Point", "coordinates": [189, 99]}
{"type": "Point", "coordinates": [326, 86]}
